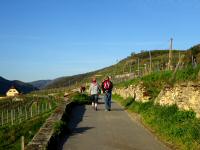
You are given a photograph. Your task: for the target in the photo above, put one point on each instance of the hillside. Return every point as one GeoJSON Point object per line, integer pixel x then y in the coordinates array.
{"type": "Point", "coordinates": [21, 86]}
{"type": "Point", "coordinates": [40, 84]}
{"type": "Point", "coordinates": [130, 65]}
{"type": "Point", "coordinates": [69, 81]}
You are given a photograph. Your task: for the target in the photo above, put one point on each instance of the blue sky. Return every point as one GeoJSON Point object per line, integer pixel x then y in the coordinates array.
{"type": "Point", "coordinates": [46, 39]}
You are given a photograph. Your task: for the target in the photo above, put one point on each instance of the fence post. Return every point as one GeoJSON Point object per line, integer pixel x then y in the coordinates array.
{"type": "Point", "coordinates": [46, 107]}
{"type": "Point", "coordinates": [138, 67]}
{"type": "Point", "coordinates": [31, 111]}
{"type": "Point", "coordinates": [22, 143]}
{"type": "Point", "coordinates": [14, 114]}
{"type": "Point", "coordinates": [150, 62]}
{"type": "Point", "coordinates": [7, 116]}
{"type": "Point", "coordinates": [11, 116]}
{"type": "Point", "coordinates": [50, 105]}
{"type": "Point", "coordinates": [2, 118]}
{"type": "Point", "coordinates": [26, 113]}
{"type": "Point", "coordinates": [42, 108]}
{"type": "Point", "coordinates": [38, 108]}
{"type": "Point", "coordinates": [20, 115]}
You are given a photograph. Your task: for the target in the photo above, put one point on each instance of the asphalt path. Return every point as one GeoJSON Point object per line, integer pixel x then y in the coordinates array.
{"type": "Point", "coordinates": [107, 130]}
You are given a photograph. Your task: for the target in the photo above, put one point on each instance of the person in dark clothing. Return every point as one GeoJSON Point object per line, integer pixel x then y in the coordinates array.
{"type": "Point", "coordinates": [107, 87]}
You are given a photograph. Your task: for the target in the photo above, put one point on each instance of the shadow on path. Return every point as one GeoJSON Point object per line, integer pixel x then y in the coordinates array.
{"type": "Point", "coordinates": [76, 117]}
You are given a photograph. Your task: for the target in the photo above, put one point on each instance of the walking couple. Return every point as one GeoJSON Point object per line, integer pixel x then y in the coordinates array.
{"type": "Point", "coordinates": [95, 91]}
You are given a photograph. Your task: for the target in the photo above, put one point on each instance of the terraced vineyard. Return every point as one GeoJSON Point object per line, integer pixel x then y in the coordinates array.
{"type": "Point", "coordinates": [16, 110]}
{"type": "Point", "coordinates": [23, 116]}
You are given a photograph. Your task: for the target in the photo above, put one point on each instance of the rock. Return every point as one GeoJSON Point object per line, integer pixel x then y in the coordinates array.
{"type": "Point", "coordinates": [185, 95]}
{"type": "Point", "coordinates": [138, 92]}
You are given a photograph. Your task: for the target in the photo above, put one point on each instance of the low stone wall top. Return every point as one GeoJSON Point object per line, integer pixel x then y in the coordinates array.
{"type": "Point", "coordinates": [41, 139]}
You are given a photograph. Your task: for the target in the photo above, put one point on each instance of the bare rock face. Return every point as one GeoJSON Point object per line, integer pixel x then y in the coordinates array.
{"type": "Point", "coordinates": [186, 96]}
{"type": "Point", "coordinates": [138, 92]}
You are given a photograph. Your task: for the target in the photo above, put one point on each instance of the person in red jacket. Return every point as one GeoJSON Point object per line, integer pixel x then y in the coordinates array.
{"type": "Point", "coordinates": [107, 87]}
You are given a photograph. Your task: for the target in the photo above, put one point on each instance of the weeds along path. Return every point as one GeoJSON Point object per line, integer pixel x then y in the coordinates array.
{"type": "Point", "coordinates": [113, 130]}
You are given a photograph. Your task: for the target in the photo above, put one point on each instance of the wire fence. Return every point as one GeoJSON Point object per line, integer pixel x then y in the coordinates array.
{"type": "Point", "coordinates": [143, 67]}
{"type": "Point", "coordinates": [14, 112]}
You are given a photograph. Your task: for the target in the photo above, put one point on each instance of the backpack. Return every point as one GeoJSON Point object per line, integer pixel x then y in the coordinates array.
{"type": "Point", "coordinates": [107, 85]}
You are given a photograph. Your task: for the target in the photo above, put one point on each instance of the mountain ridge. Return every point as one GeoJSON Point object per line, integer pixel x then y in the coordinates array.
{"type": "Point", "coordinates": [22, 87]}
{"type": "Point", "coordinates": [40, 84]}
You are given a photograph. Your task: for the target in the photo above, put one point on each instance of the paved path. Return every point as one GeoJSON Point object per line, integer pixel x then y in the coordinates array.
{"type": "Point", "coordinates": [114, 130]}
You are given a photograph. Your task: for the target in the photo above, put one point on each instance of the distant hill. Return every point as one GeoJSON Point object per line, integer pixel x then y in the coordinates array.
{"type": "Point", "coordinates": [20, 86]}
{"type": "Point", "coordinates": [130, 65]}
{"type": "Point", "coordinates": [40, 84]}
{"type": "Point", "coordinates": [69, 80]}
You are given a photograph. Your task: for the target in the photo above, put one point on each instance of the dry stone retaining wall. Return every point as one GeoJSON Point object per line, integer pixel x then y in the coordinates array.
{"type": "Point", "coordinates": [43, 136]}
{"type": "Point", "coordinates": [186, 96]}
{"type": "Point", "coordinates": [138, 92]}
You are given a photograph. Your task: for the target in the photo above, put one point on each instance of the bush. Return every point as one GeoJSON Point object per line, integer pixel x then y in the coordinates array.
{"type": "Point", "coordinates": [59, 127]}
{"type": "Point", "coordinates": [80, 98]}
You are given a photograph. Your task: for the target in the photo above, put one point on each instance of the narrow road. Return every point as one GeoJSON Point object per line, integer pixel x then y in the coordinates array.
{"type": "Point", "coordinates": [113, 130]}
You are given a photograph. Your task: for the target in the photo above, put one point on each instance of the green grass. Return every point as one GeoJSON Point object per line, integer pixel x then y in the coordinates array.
{"type": "Point", "coordinates": [10, 136]}
{"type": "Point", "coordinates": [79, 98]}
{"type": "Point", "coordinates": [188, 74]}
{"type": "Point", "coordinates": [155, 82]}
{"type": "Point", "coordinates": [180, 128]}
{"type": "Point", "coordinates": [59, 127]}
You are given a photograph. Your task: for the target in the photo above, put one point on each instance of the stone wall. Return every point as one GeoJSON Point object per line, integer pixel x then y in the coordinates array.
{"type": "Point", "coordinates": [186, 96]}
{"type": "Point", "coordinates": [41, 140]}
{"type": "Point", "coordinates": [138, 92]}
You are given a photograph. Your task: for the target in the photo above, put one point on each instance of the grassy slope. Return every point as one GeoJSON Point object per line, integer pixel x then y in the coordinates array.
{"type": "Point", "coordinates": [157, 80]}
{"type": "Point", "coordinates": [179, 128]}
{"type": "Point", "coordinates": [158, 57]}
{"type": "Point", "coordinates": [10, 135]}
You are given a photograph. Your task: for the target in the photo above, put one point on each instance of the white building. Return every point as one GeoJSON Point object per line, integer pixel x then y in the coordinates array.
{"type": "Point", "coordinates": [12, 92]}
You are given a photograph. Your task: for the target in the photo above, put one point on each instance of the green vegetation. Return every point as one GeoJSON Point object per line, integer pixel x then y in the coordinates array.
{"type": "Point", "coordinates": [180, 128]}
{"type": "Point", "coordinates": [23, 116]}
{"type": "Point", "coordinates": [159, 59]}
{"type": "Point", "coordinates": [79, 98]}
{"type": "Point", "coordinates": [157, 80]}
{"type": "Point", "coordinates": [10, 136]}
{"type": "Point", "coordinates": [188, 74]}
{"type": "Point", "coordinates": [59, 127]}
{"type": "Point", "coordinates": [15, 110]}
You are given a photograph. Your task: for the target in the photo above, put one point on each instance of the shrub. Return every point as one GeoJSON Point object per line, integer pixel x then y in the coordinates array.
{"type": "Point", "coordinates": [80, 98]}
{"type": "Point", "coordinates": [59, 127]}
